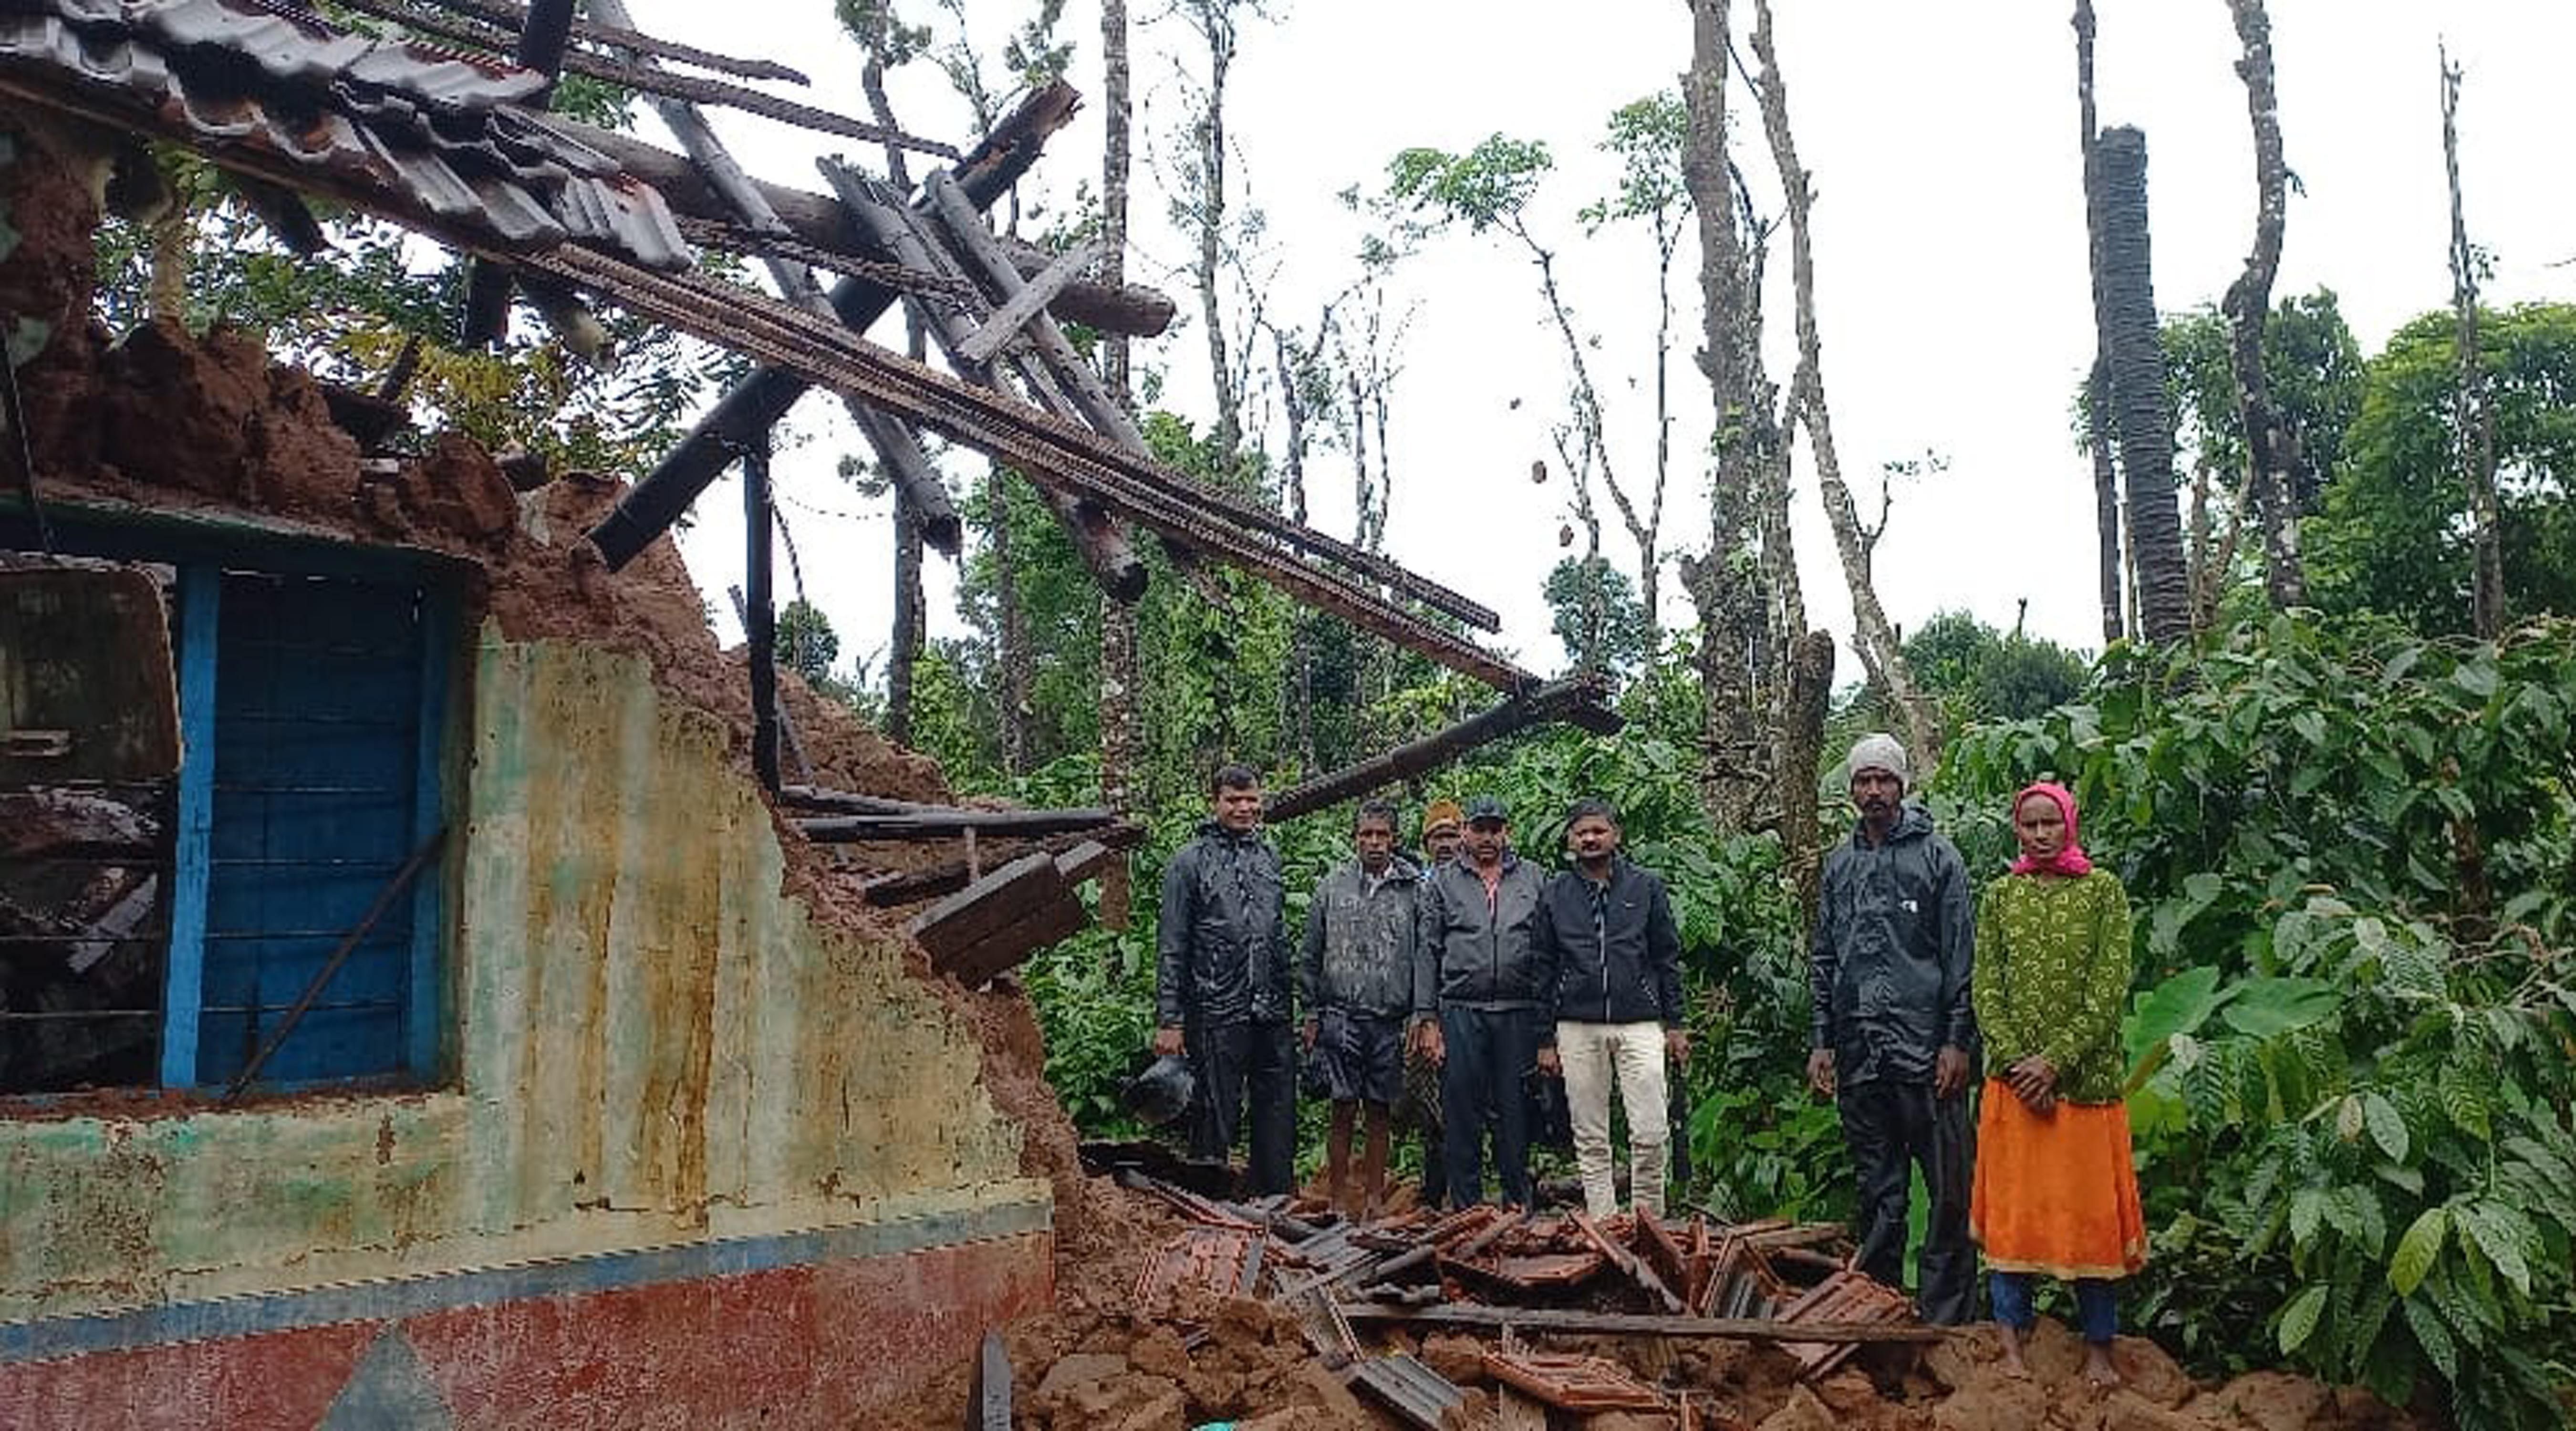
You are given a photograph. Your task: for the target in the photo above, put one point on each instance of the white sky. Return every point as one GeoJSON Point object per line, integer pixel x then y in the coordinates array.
{"type": "Point", "coordinates": [1952, 291]}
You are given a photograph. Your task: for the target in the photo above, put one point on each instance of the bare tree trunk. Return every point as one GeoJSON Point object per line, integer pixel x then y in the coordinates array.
{"type": "Point", "coordinates": [1292, 396]}
{"type": "Point", "coordinates": [2097, 391]}
{"type": "Point", "coordinates": [1215, 21]}
{"type": "Point", "coordinates": [173, 236]}
{"type": "Point", "coordinates": [2472, 420]}
{"type": "Point", "coordinates": [903, 649]}
{"type": "Point", "coordinates": [1802, 741]}
{"type": "Point", "coordinates": [1118, 665]}
{"type": "Point", "coordinates": [1878, 640]}
{"type": "Point", "coordinates": [2140, 401]}
{"type": "Point", "coordinates": [911, 624]}
{"type": "Point", "coordinates": [1591, 425]}
{"type": "Point", "coordinates": [1120, 118]}
{"type": "Point", "coordinates": [1723, 586]}
{"type": "Point", "coordinates": [1013, 622]}
{"type": "Point", "coordinates": [2249, 305]}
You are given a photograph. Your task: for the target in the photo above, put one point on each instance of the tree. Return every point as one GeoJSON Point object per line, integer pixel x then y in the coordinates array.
{"type": "Point", "coordinates": [2473, 420]}
{"type": "Point", "coordinates": [2141, 407]}
{"type": "Point", "coordinates": [1598, 616]}
{"type": "Point", "coordinates": [2397, 535]}
{"type": "Point", "coordinates": [2268, 442]}
{"type": "Point", "coordinates": [2096, 404]}
{"type": "Point", "coordinates": [1726, 585]}
{"type": "Point", "coordinates": [1880, 651]}
{"type": "Point", "coordinates": [2312, 370]}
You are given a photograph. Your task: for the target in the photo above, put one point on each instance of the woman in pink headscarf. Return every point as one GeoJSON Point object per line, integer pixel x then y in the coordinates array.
{"type": "Point", "coordinates": [2054, 1192]}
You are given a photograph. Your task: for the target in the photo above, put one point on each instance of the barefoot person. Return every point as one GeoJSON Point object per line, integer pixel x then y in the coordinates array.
{"type": "Point", "coordinates": [2054, 1191]}
{"type": "Point", "coordinates": [1359, 979]}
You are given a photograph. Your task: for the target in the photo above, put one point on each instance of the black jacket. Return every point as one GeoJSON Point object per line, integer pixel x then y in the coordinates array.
{"type": "Point", "coordinates": [1221, 945]}
{"type": "Point", "coordinates": [1890, 964]}
{"type": "Point", "coordinates": [1362, 949]}
{"type": "Point", "coordinates": [1487, 955]}
{"type": "Point", "coordinates": [1625, 970]}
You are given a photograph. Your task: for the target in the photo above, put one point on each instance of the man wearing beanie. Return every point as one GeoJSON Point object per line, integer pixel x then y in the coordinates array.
{"type": "Point", "coordinates": [1893, 1030]}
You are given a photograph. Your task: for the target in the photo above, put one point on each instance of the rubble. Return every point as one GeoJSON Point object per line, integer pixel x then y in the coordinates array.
{"type": "Point", "coordinates": [1432, 1320]}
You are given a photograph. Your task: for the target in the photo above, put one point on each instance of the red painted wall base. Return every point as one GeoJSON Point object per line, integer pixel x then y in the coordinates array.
{"type": "Point", "coordinates": [796, 1346]}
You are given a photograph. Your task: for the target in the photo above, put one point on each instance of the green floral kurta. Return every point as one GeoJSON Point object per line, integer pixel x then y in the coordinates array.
{"type": "Point", "coordinates": [2052, 973]}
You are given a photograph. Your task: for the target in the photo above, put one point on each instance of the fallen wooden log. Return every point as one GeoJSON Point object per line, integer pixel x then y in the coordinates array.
{"type": "Point", "coordinates": [888, 891]}
{"type": "Point", "coordinates": [931, 824]}
{"type": "Point", "coordinates": [1578, 702]}
{"type": "Point", "coordinates": [1531, 1319]}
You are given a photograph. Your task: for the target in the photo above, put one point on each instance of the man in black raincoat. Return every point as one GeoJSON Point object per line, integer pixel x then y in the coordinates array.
{"type": "Point", "coordinates": [1894, 1033]}
{"type": "Point", "coordinates": [1221, 984]}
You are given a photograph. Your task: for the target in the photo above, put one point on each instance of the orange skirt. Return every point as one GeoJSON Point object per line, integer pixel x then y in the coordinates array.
{"type": "Point", "coordinates": [2056, 1194]}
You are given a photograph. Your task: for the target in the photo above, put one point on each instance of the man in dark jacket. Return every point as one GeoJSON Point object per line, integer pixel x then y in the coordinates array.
{"type": "Point", "coordinates": [1356, 980]}
{"type": "Point", "coordinates": [1221, 990]}
{"type": "Point", "coordinates": [1617, 1007]}
{"type": "Point", "coordinates": [1893, 1031]}
{"type": "Point", "coordinates": [1479, 920]}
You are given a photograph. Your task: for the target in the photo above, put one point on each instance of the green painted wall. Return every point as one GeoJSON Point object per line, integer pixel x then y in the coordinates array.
{"type": "Point", "coordinates": [652, 1045]}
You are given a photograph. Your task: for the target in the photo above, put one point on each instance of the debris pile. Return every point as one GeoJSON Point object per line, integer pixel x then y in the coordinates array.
{"type": "Point", "coordinates": [1502, 1273]}
{"type": "Point", "coordinates": [1183, 1308]}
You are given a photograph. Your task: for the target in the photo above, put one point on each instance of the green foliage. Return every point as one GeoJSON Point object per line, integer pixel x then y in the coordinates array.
{"type": "Point", "coordinates": [2312, 369]}
{"type": "Point", "coordinates": [2394, 536]}
{"type": "Point", "coordinates": [1979, 673]}
{"type": "Point", "coordinates": [348, 316]}
{"type": "Point", "coordinates": [1482, 188]}
{"type": "Point", "coordinates": [1598, 616]}
{"type": "Point", "coordinates": [2353, 858]}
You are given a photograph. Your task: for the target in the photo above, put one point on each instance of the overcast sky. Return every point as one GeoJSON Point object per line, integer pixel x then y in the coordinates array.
{"type": "Point", "coordinates": [1952, 291]}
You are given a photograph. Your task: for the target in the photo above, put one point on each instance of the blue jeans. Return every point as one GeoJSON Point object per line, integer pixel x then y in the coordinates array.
{"type": "Point", "coordinates": [2097, 1304]}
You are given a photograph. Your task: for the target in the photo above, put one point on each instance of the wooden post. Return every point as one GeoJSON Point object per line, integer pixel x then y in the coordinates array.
{"type": "Point", "coordinates": [760, 621]}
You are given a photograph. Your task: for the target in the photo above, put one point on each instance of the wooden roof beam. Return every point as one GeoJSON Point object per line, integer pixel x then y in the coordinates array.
{"type": "Point", "coordinates": [755, 404]}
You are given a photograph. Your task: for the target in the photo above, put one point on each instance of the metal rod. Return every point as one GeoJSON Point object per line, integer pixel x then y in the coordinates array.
{"type": "Point", "coordinates": [349, 942]}
{"type": "Point", "coordinates": [760, 623]}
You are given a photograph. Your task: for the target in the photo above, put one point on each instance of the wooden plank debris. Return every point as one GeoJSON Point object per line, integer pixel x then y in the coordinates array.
{"type": "Point", "coordinates": [1636, 1324]}
{"type": "Point", "coordinates": [911, 887]}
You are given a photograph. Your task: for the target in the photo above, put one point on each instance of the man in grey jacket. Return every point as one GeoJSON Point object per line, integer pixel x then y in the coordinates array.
{"type": "Point", "coordinates": [1617, 1005]}
{"type": "Point", "coordinates": [1221, 985]}
{"type": "Point", "coordinates": [1479, 920]}
{"type": "Point", "coordinates": [1889, 970]}
{"type": "Point", "coordinates": [1359, 979]}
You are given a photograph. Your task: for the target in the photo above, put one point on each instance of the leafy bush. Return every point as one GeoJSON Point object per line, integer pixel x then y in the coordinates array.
{"type": "Point", "coordinates": [2353, 859]}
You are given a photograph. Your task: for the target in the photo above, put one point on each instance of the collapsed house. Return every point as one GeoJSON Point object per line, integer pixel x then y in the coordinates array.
{"type": "Point", "coordinates": [425, 998]}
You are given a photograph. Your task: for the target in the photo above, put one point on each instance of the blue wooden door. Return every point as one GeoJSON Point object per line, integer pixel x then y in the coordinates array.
{"type": "Point", "coordinates": [318, 791]}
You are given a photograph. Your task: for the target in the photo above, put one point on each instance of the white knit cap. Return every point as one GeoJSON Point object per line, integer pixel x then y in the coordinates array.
{"type": "Point", "coordinates": [1878, 751]}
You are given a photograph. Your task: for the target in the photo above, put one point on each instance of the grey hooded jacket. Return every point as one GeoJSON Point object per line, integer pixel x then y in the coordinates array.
{"type": "Point", "coordinates": [1889, 967]}
{"type": "Point", "coordinates": [1488, 956]}
{"type": "Point", "coordinates": [1221, 945]}
{"type": "Point", "coordinates": [1362, 950]}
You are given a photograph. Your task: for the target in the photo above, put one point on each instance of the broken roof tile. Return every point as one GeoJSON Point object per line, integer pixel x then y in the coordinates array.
{"type": "Point", "coordinates": [411, 126]}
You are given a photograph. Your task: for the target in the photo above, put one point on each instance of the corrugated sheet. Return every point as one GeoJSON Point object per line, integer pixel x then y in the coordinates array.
{"type": "Point", "coordinates": [438, 131]}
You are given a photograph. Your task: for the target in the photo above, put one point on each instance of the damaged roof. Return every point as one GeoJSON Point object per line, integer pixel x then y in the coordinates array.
{"type": "Point", "coordinates": [446, 132]}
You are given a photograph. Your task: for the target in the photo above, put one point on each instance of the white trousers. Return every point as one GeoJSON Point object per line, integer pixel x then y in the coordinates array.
{"type": "Point", "coordinates": [1592, 1054]}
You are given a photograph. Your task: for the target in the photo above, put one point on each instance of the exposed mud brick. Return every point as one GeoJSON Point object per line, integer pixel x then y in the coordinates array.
{"type": "Point", "coordinates": [176, 412]}
{"type": "Point", "coordinates": [2276, 1401]}
{"type": "Point", "coordinates": [1071, 1373]}
{"type": "Point", "coordinates": [1460, 1358]}
{"type": "Point", "coordinates": [2126, 1410]}
{"type": "Point", "coordinates": [457, 489]}
{"type": "Point", "coordinates": [1991, 1403]}
{"type": "Point", "coordinates": [46, 277]}
{"type": "Point", "coordinates": [2362, 1411]}
{"type": "Point", "coordinates": [1159, 1353]}
{"type": "Point", "coordinates": [2055, 1353]}
{"type": "Point", "coordinates": [1804, 1412]}
{"type": "Point", "coordinates": [2146, 1370]}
